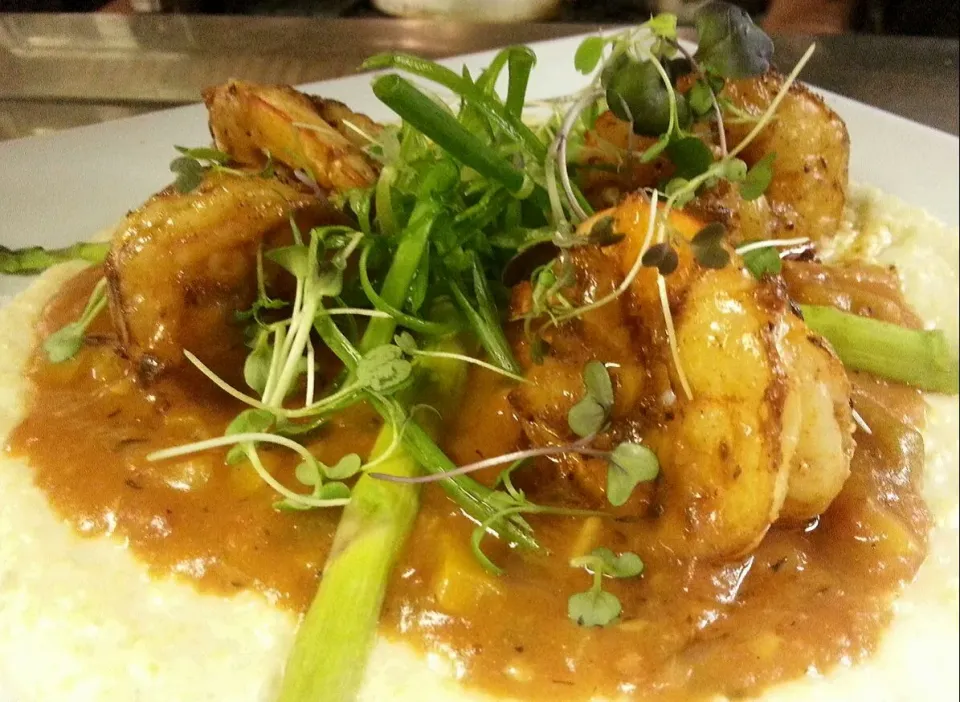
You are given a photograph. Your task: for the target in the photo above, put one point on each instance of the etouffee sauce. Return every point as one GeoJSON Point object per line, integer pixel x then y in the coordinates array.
{"type": "Point", "coordinates": [807, 599]}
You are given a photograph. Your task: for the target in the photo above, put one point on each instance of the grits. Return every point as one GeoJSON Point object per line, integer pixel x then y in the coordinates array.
{"type": "Point", "coordinates": [81, 621]}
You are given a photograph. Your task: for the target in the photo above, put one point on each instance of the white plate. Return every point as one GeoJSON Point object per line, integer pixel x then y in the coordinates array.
{"type": "Point", "coordinates": [60, 188]}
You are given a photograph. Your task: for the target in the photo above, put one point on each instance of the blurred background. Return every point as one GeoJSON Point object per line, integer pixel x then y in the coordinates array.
{"type": "Point", "coordinates": [66, 63]}
{"type": "Point", "coordinates": [900, 17]}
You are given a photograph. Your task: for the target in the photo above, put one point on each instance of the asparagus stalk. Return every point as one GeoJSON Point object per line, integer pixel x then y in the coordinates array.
{"type": "Point", "coordinates": [477, 500]}
{"type": "Point", "coordinates": [337, 633]}
{"type": "Point", "coordinates": [917, 357]}
{"type": "Point", "coordinates": [35, 259]}
{"type": "Point", "coordinates": [335, 638]}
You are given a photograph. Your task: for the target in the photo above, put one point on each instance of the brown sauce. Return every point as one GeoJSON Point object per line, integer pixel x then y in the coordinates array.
{"type": "Point", "coordinates": [807, 599]}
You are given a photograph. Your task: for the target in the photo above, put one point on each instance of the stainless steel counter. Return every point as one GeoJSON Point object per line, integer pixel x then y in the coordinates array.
{"type": "Point", "coordinates": [60, 71]}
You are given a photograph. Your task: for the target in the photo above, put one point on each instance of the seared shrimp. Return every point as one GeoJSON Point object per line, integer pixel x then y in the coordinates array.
{"type": "Point", "coordinates": [728, 451]}
{"type": "Point", "coordinates": [820, 464]}
{"type": "Point", "coordinates": [323, 138]}
{"type": "Point", "coordinates": [806, 196]}
{"type": "Point", "coordinates": [182, 264]}
{"type": "Point", "coordinates": [812, 147]}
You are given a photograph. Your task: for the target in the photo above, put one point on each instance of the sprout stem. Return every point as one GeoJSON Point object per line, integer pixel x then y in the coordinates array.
{"type": "Point", "coordinates": [717, 112]}
{"type": "Point", "coordinates": [495, 461]}
{"type": "Point", "coordinates": [771, 110]}
{"type": "Point", "coordinates": [767, 243]}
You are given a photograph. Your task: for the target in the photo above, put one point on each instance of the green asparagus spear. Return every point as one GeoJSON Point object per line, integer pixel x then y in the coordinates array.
{"type": "Point", "coordinates": [916, 357]}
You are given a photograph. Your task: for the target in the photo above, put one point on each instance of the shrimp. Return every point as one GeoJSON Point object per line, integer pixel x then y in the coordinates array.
{"type": "Point", "coordinates": [729, 451]}
{"type": "Point", "coordinates": [809, 187]}
{"type": "Point", "coordinates": [820, 464]}
{"type": "Point", "coordinates": [183, 263]}
{"type": "Point", "coordinates": [323, 138]}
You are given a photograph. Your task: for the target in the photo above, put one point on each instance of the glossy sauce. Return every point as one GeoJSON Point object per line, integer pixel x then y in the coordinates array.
{"type": "Point", "coordinates": [806, 599]}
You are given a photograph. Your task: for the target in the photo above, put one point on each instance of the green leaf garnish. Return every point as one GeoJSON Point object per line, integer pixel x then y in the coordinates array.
{"type": "Point", "coordinates": [593, 608]}
{"type": "Point", "coordinates": [708, 247]}
{"type": "Point", "coordinates": [734, 170]}
{"type": "Point", "coordinates": [294, 259]}
{"type": "Point", "coordinates": [629, 465]}
{"type": "Point", "coordinates": [663, 25]}
{"type": "Point", "coordinates": [588, 416]}
{"type": "Point", "coordinates": [189, 173]}
{"type": "Point", "coordinates": [383, 369]}
{"type": "Point", "coordinates": [333, 491]}
{"type": "Point", "coordinates": [758, 178]}
{"type": "Point", "coordinates": [637, 94]}
{"type": "Point", "coordinates": [761, 262]}
{"type": "Point", "coordinates": [626, 565]}
{"type": "Point", "coordinates": [602, 234]}
{"type": "Point", "coordinates": [691, 156]}
{"type": "Point", "coordinates": [589, 54]}
{"type": "Point", "coordinates": [729, 43]}
{"type": "Point", "coordinates": [203, 153]}
{"type": "Point", "coordinates": [64, 343]}
{"type": "Point", "coordinates": [256, 367]}
{"type": "Point", "coordinates": [308, 473]}
{"type": "Point", "coordinates": [680, 190]}
{"type": "Point", "coordinates": [661, 256]}
{"type": "Point", "coordinates": [406, 342]}
{"type": "Point", "coordinates": [346, 467]}
{"type": "Point", "coordinates": [249, 421]}
{"type": "Point", "coordinates": [194, 163]}
{"type": "Point", "coordinates": [700, 98]}
{"type": "Point", "coordinates": [596, 378]}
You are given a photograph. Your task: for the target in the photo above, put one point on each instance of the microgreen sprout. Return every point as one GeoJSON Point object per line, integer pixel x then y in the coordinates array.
{"type": "Point", "coordinates": [762, 258]}
{"type": "Point", "coordinates": [596, 607]}
{"type": "Point", "coordinates": [590, 414]}
{"type": "Point", "coordinates": [734, 47]}
{"type": "Point", "coordinates": [707, 246]}
{"type": "Point", "coordinates": [408, 344]}
{"type": "Point", "coordinates": [193, 163]}
{"type": "Point", "coordinates": [628, 464]}
{"type": "Point", "coordinates": [249, 439]}
{"type": "Point", "coordinates": [511, 510]}
{"type": "Point", "coordinates": [64, 343]}
{"type": "Point", "coordinates": [762, 261]}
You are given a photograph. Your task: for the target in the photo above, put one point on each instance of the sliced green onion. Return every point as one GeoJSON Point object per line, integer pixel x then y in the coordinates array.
{"type": "Point", "coordinates": [413, 106]}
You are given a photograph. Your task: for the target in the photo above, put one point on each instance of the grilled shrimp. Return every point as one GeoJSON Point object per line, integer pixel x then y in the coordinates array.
{"type": "Point", "coordinates": [820, 463]}
{"type": "Point", "coordinates": [812, 147]}
{"type": "Point", "coordinates": [182, 264]}
{"type": "Point", "coordinates": [320, 137]}
{"type": "Point", "coordinates": [806, 196]}
{"type": "Point", "coordinates": [727, 453]}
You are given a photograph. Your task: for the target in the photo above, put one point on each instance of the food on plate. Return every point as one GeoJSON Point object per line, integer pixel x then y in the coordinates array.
{"type": "Point", "coordinates": [603, 403]}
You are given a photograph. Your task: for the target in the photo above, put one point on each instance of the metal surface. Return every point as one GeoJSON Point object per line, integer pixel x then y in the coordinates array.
{"type": "Point", "coordinates": [58, 71]}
